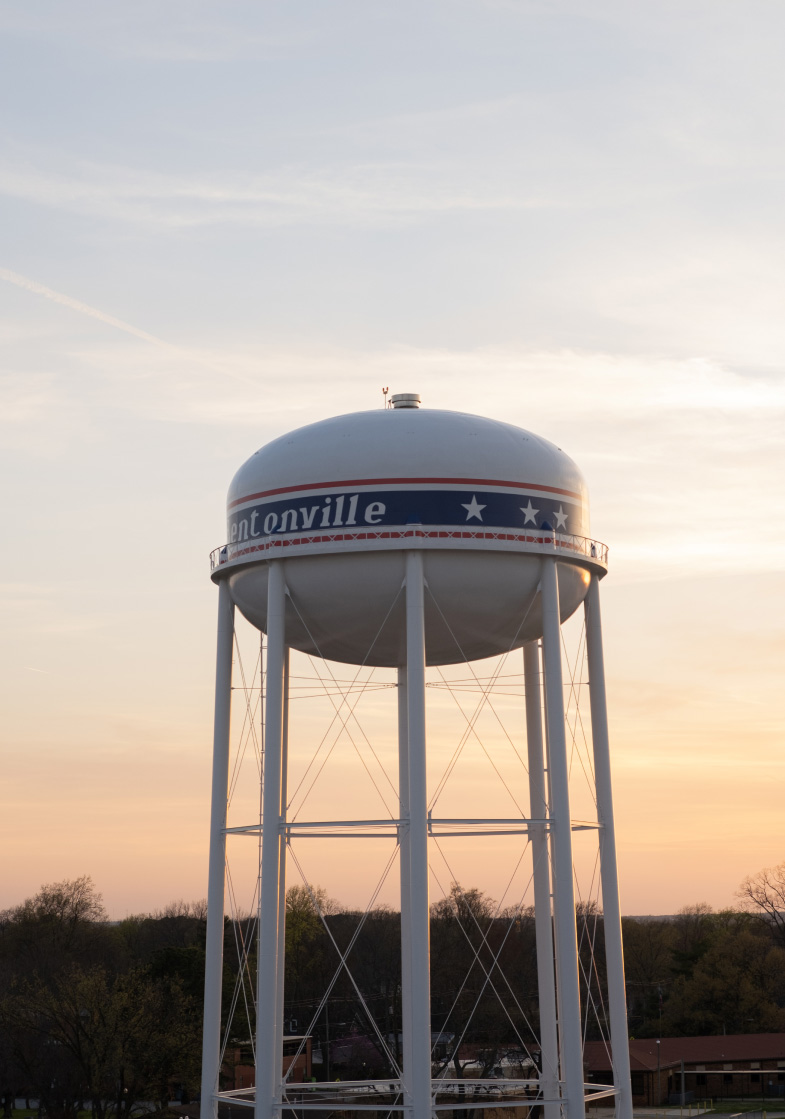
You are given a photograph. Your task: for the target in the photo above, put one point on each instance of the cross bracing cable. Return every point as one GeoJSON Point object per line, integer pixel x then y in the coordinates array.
{"type": "Point", "coordinates": [344, 729]}
{"type": "Point", "coordinates": [551, 1068]}
{"type": "Point", "coordinates": [248, 728]}
{"type": "Point", "coordinates": [476, 679]}
{"type": "Point", "coordinates": [247, 733]}
{"type": "Point", "coordinates": [250, 714]}
{"type": "Point", "coordinates": [516, 910]}
{"type": "Point", "coordinates": [471, 730]}
{"type": "Point", "coordinates": [243, 968]}
{"type": "Point", "coordinates": [365, 687]}
{"type": "Point", "coordinates": [575, 697]}
{"type": "Point", "coordinates": [312, 762]}
{"type": "Point", "coordinates": [364, 684]}
{"type": "Point", "coordinates": [351, 708]}
{"type": "Point", "coordinates": [574, 722]}
{"type": "Point", "coordinates": [343, 957]}
{"type": "Point", "coordinates": [439, 685]}
{"type": "Point", "coordinates": [243, 947]}
{"type": "Point", "coordinates": [336, 739]}
{"type": "Point", "coordinates": [248, 722]}
{"type": "Point", "coordinates": [485, 699]}
{"type": "Point", "coordinates": [484, 941]}
{"type": "Point", "coordinates": [243, 943]}
{"type": "Point", "coordinates": [572, 694]}
{"type": "Point", "coordinates": [590, 1000]}
{"type": "Point", "coordinates": [501, 682]}
{"type": "Point", "coordinates": [489, 982]}
{"type": "Point", "coordinates": [341, 688]}
{"type": "Point", "coordinates": [459, 748]}
{"type": "Point", "coordinates": [488, 973]}
{"type": "Point", "coordinates": [601, 1018]}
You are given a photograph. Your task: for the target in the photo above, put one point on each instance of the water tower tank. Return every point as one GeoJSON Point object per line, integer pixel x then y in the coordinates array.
{"type": "Point", "coordinates": [341, 500]}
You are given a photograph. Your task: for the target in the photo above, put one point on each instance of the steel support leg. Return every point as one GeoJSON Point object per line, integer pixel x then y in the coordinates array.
{"type": "Point", "coordinates": [216, 879]}
{"type": "Point", "coordinates": [279, 997]}
{"type": "Point", "coordinates": [405, 859]}
{"type": "Point", "coordinates": [543, 925]}
{"type": "Point", "coordinates": [268, 1059]}
{"type": "Point", "coordinates": [561, 844]}
{"type": "Point", "coordinates": [614, 956]}
{"type": "Point", "coordinates": [419, 1077]}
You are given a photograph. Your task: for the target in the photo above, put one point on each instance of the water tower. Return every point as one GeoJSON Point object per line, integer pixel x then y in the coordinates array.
{"type": "Point", "coordinates": [408, 537]}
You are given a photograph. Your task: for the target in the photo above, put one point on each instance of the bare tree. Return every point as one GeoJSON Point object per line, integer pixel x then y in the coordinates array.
{"type": "Point", "coordinates": [764, 893]}
{"type": "Point", "coordinates": [63, 906]}
{"type": "Point", "coordinates": [182, 908]}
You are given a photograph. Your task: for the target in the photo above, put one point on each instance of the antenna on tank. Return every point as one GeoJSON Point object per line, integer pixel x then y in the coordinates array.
{"type": "Point", "coordinates": [384, 394]}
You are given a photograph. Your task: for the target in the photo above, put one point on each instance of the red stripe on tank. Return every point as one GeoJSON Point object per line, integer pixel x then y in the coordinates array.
{"type": "Point", "coordinates": [351, 483]}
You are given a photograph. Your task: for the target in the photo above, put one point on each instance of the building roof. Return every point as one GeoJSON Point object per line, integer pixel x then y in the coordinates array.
{"type": "Point", "coordinates": [691, 1050]}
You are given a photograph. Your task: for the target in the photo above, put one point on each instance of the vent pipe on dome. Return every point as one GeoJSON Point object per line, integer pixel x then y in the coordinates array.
{"type": "Point", "coordinates": [406, 400]}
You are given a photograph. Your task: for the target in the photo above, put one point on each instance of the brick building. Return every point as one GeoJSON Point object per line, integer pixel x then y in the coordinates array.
{"type": "Point", "coordinates": [238, 1069]}
{"type": "Point", "coordinates": [737, 1066]}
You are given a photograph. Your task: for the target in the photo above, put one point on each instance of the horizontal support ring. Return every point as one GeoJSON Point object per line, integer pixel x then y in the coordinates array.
{"type": "Point", "coordinates": [383, 829]}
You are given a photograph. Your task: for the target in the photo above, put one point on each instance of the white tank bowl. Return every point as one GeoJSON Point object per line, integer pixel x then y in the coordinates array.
{"type": "Point", "coordinates": [342, 500]}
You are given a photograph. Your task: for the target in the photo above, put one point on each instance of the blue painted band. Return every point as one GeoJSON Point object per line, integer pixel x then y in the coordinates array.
{"type": "Point", "coordinates": [438, 508]}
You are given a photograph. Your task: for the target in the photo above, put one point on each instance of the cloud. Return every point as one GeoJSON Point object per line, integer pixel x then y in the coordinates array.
{"type": "Point", "coordinates": [23, 406]}
{"type": "Point", "coordinates": [75, 305]}
{"type": "Point", "coordinates": [186, 32]}
{"type": "Point", "coordinates": [678, 454]}
{"type": "Point", "coordinates": [362, 193]}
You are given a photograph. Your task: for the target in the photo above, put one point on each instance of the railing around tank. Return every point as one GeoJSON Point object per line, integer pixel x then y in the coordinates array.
{"type": "Point", "coordinates": [562, 543]}
{"type": "Point", "coordinates": [453, 1095]}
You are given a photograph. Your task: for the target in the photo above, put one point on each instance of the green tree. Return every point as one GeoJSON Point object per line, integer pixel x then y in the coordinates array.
{"type": "Point", "coordinates": [648, 966]}
{"type": "Point", "coordinates": [82, 1019]}
{"type": "Point", "coordinates": [117, 1039]}
{"type": "Point", "coordinates": [735, 987]}
{"type": "Point", "coordinates": [307, 947]}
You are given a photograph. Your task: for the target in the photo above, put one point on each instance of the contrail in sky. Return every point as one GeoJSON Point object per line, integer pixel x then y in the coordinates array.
{"type": "Point", "coordinates": [110, 320]}
{"type": "Point", "coordinates": [84, 308]}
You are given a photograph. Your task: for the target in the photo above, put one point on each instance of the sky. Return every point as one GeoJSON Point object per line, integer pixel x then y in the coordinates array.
{"type": "Point", "coordinates": [221, 222]}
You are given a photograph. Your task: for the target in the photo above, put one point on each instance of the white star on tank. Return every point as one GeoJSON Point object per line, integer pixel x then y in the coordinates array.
{"type": "Point", "coordinates": [473, 509]}
{"type": "Point", "coordinates": [529, 512]}
{"type": "Point", "coordinates": [561, 518]}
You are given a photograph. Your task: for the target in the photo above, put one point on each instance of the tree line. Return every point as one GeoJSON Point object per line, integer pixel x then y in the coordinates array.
{"type": "Point", "coordinates": [107, 1015]}
{"type": "Point", "coordinates": [705, 972]}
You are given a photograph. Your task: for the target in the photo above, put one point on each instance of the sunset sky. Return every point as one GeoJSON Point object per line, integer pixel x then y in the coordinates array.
{"type": "Point", "coordinates": [222, 221]}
